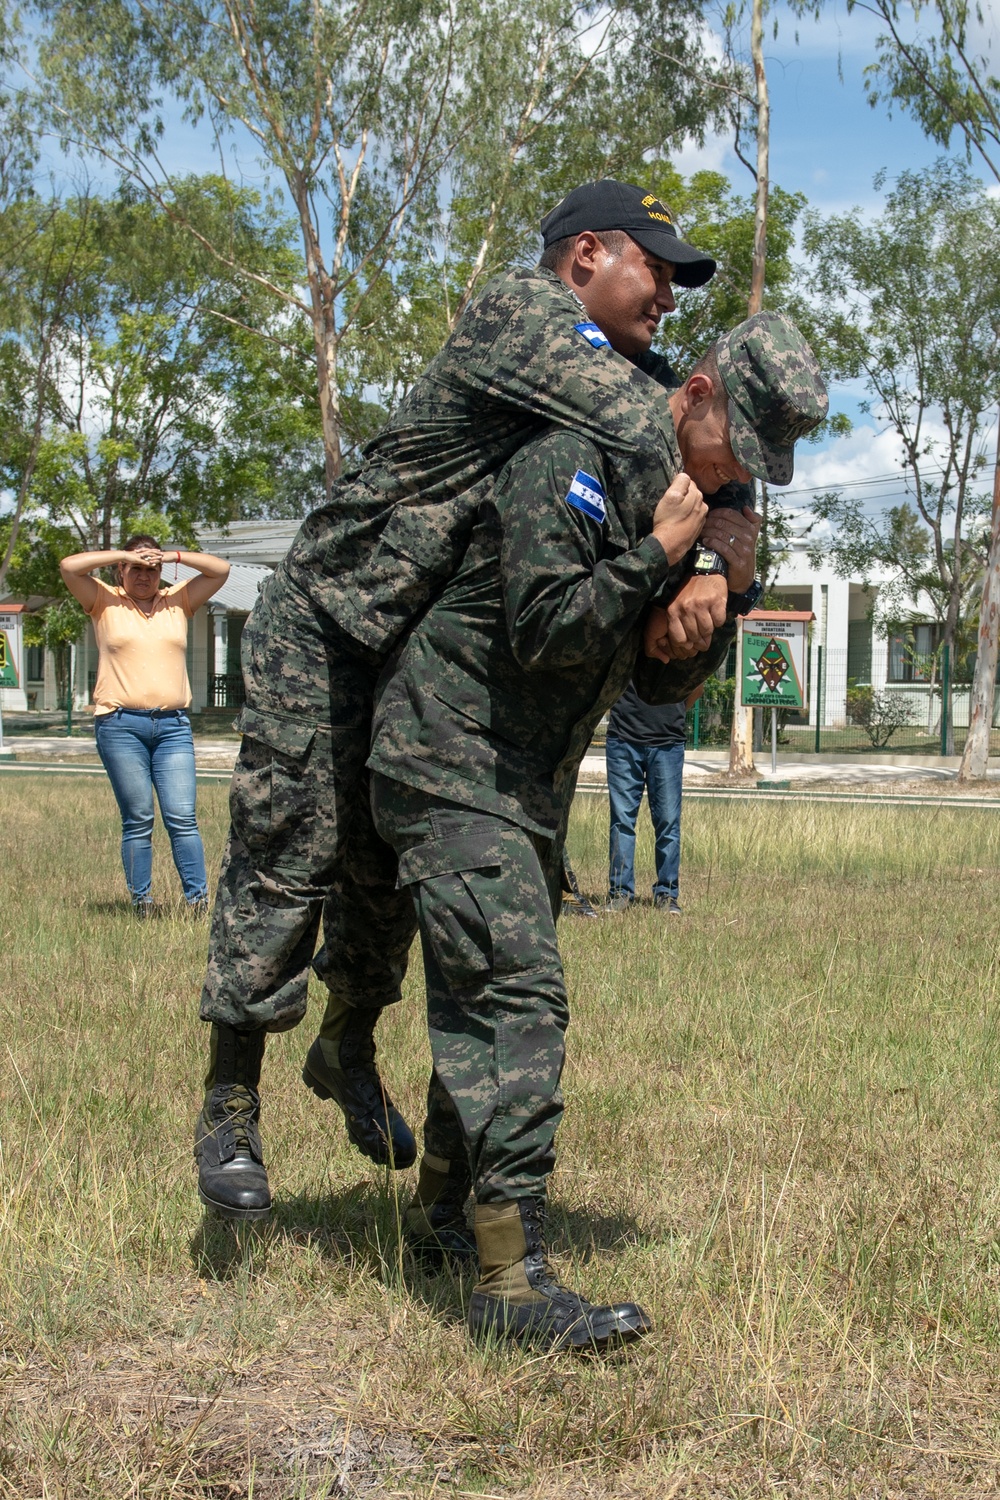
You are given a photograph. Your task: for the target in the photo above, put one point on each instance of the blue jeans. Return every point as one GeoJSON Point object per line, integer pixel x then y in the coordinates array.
{"type": "Point", "coordinates": [142, 750]}
{"type": "Point", "coordinates": [658, 770]}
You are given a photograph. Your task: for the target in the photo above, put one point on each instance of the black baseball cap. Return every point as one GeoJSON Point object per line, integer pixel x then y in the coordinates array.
{"type": "Point", "coordinates": [621, 205]}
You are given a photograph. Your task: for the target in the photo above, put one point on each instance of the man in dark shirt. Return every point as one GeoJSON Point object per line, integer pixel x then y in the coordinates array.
{"type": "Point", "coordinates": [645, 752]}
{"type": "Point", "coordinates": [566, 344]}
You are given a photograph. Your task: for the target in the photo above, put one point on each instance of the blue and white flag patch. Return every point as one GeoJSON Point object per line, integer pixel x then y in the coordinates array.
{"type": "Point", "coordinates": [593, 335]}
{"type": "Point", "coordinates": [585, 493]}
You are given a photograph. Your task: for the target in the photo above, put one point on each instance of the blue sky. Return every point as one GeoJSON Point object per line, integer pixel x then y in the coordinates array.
{"type": "Point", "coordinates": [828, 143]}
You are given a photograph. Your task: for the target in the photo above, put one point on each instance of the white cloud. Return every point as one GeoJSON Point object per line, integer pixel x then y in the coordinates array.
{"type": "Point", "coordinates": [715, 156]}
{"type": "Point", "coordinates": [866, 465]}
{"type": "Point", "coordinates": [855, 461]}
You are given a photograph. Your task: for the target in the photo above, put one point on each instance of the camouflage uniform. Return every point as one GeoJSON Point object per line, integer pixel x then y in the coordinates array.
{"type": "Point", "coordinates": [361, 568]}
{"type": "Point", "coordinates": [479, 733]}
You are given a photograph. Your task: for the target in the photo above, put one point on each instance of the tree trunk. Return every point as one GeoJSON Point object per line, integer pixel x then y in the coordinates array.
{"type": "Point", "coordinates": [322, 296]}
{"type": "Point", "coordinates": [977, 742]}
{"type": "Point", "coordinates": [741, 739]}
{"type": "Point", "coordinates": [763, 136]}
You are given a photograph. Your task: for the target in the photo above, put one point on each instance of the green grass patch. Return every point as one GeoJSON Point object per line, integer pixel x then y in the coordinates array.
{"type": "Point", "coordinates": [780, 1136]}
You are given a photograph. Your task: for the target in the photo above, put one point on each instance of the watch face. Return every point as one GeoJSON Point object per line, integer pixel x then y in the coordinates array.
{"type": "Point", "coordinates": [707, 562]}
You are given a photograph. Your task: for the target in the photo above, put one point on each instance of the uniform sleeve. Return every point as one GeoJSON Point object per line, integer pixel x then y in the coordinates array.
{"type": "Point", "coordinates": [568, 594]}
{"type": "Point", "coordinates": [547, 360]}
{"type": "Point", "coordinates": [732, 496]}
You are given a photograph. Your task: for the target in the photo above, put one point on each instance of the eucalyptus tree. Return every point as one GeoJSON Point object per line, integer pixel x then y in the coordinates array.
{"type": "Point", "coordinates": [938, 73]}
{"type": "Point", "coordinates": [910, 305]}
{"type": "Point", "coordinates": [152, 405]}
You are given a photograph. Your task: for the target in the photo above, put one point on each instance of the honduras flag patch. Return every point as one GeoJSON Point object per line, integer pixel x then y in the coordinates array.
{"type": "Point", "coordinates": [593, 335]}
{"type": "Point", "coordinates": [585, 493]}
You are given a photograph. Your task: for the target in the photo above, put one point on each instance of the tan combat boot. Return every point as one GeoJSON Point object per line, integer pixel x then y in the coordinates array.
{"type": "Point", "coordinates": [519, 1297]}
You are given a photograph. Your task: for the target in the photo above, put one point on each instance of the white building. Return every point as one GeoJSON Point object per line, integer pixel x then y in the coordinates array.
{"type": "Point", "coordinates": [852, 652]}
{"type": "Point", "coordinates": [855, 652]}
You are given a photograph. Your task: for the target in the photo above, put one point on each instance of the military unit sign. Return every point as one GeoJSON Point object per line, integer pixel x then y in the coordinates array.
{"type": "Point", "coordinates": [772, 659]}
{"type": "Point", "coordinates": [10, 647]}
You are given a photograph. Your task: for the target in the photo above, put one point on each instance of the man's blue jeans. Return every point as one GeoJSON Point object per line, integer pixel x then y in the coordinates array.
{"type": "Point", "coordinates": [140, 751]}
{"type": "Point", "coordinates": [657, 769]}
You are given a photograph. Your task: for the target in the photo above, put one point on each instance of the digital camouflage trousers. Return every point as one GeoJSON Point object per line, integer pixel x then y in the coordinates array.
{"type": "Point", "coordinates": [301, 843]}
{"type": "Point", "coordinates": [486, 893]}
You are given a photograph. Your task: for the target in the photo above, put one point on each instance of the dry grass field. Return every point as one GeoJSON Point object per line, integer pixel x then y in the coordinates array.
{"type": "Point", "coordinates": [781, 1136]}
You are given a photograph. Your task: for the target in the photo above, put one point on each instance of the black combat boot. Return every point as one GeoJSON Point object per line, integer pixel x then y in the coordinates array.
{"type": "Point", "coordinates": [434, 1226]}
{"type": "Point", "coordinates": [519, 1297]}
{"type": "Point", "coordinates": [231, 1175]}
{"type": "Point", "coordinates": [340, 1065]}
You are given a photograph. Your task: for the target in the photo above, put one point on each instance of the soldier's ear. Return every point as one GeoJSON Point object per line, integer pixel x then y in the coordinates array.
{"type": "Point", "coordinates": [700, 391]}
{"type": "Point", "coordinates": [584, 252]}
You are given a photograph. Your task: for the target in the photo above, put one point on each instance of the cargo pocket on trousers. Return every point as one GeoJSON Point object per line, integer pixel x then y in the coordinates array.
{"type": "Point", "coordinates": [451, 918]}
{"type": "Point", "coordinates": [271, 793]}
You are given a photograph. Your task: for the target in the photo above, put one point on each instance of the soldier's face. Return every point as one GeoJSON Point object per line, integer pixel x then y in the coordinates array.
{"type": "Point", "coordinates": [703, 438]}
{"type": "Point", "coordinates": [627, 296]}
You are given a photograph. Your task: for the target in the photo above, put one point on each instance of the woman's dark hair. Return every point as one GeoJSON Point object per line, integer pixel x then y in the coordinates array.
{"type": "Point", "coordinates": [142, 539]}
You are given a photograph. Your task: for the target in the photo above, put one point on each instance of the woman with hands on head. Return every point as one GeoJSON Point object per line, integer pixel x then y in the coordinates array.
{"type": "Point", "coordinates": [141, 699]}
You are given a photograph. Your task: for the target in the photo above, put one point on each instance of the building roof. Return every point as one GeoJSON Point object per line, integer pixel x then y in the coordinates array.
{"type": "Point", "coordinates": [263, 543]}
{"type": "Point", "coordinates": [239, 592]}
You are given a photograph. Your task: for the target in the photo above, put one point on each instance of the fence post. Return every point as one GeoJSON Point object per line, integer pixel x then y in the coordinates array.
{"type": "Point", "coordinates": [71, 687]}
{"type": "Point", "coordinates": [697, 724]}
{"type": "Point", "coordinates": [945, 695]}
{"type": "Point", "coordinates": [819, 693]}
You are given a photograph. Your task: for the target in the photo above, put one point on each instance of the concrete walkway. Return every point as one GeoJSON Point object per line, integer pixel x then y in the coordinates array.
{"type": "Point", "coordinates": [799, 774]}
{"type": "Point", "coordinates": [704, 770]}
{"type": "Point", "coordinates": [80, 749]}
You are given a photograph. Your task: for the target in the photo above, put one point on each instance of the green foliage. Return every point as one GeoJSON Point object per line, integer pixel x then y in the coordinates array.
{"type": "Point", "coordinates": [59, 624]}
{"type": "Point", "coordinates": [937, 77]}
{"type": "Point", "coordinates": [142, 387]}
{"type": "Point", "coordinates": [419, 142]}
{"type": "Point", "coordinates": [721, 221]}
{"type": "Point", "coordinates": [717, 700]}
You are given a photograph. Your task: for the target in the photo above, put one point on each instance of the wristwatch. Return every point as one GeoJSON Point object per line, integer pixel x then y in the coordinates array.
{"type": "Point", "coordinates": [742, 604]}
{"type": "Point", "coordinates": [706, 562]}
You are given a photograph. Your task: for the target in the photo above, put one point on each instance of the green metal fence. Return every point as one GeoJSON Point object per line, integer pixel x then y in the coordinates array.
{"type": "Point", "coordinates": [850, 716]}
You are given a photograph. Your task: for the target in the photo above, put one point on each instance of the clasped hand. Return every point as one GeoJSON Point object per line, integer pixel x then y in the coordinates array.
{"type": "Point", "coordinates": [698, 609]}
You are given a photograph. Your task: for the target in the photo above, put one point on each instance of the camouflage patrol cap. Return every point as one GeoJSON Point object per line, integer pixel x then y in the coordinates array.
{"type": "Point", "coordinates": [776, 393]}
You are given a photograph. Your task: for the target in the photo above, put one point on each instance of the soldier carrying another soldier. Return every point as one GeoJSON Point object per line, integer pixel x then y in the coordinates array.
{"type": "Point", "coordinates": [567, 343]}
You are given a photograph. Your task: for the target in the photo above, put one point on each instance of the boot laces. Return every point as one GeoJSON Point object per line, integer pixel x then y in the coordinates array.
{"type": "Point", "coordinates": [545, 1276]}
{"type": "Point", "coordinates": [239, 1105]}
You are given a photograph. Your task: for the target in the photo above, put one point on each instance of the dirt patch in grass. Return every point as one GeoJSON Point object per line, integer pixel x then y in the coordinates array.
{"type": "Point", "coordinates": [275, 1429]}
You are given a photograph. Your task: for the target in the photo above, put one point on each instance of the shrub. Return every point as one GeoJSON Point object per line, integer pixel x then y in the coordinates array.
{"type": "Point", "coordinates": [879, 714]}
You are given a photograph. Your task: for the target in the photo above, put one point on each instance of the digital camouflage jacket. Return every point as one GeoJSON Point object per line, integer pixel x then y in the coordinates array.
{"type": "Point", "coordinates": [522, 356]}
{"type": "Point", "coordinates": [497, 692]}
